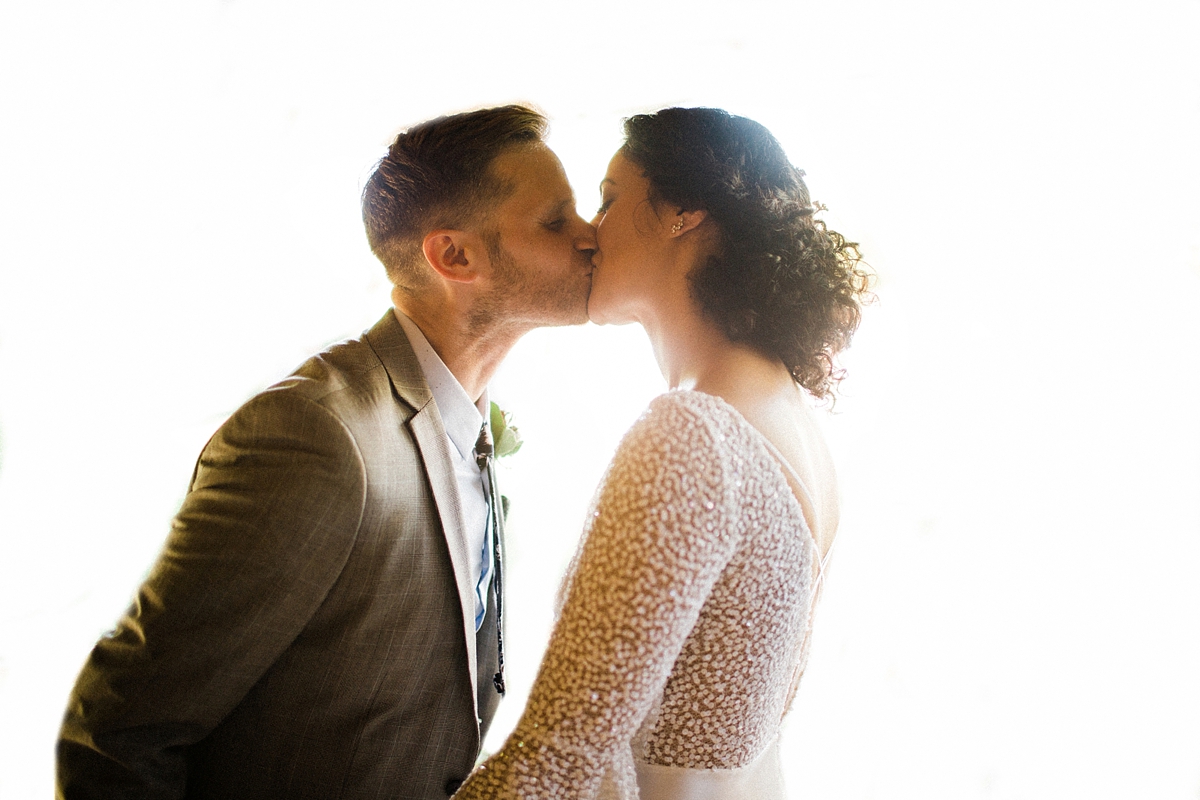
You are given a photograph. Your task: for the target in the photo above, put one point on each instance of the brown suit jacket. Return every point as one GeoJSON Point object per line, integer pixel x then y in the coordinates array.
{"type": "Point", "coordinates": [308, 630]}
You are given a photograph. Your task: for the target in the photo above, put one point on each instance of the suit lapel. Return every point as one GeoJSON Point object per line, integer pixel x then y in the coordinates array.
{"type": "Point", "coordinates": [391, 345]}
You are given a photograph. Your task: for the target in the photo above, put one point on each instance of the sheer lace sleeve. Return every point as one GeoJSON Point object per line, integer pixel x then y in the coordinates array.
{"type": "Point", "coordinates": [661, 532]}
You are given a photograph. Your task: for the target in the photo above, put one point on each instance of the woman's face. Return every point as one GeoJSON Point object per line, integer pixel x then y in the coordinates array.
{"type": "Point", "coordinates": [631, 243]}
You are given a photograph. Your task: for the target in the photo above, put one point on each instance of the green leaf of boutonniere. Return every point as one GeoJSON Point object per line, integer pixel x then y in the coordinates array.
{"type": "Point", "coordinates": [505, 435]}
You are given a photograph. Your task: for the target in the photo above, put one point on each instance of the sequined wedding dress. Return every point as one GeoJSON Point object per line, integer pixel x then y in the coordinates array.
{"type": "Point", "coordinates": [684, 626]}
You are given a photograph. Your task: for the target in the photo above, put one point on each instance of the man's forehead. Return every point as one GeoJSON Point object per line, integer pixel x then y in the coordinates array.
{"type": "Point", "coordinates": [534, 172]}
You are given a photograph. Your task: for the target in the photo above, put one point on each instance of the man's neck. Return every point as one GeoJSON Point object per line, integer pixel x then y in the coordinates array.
{"type": "Point", "coordinates": [471, 356]}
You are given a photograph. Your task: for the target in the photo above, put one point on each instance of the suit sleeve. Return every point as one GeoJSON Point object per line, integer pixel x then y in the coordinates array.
{"type": "Point", "coordinates": [265, 529]}
{"type": "Point", "coordinates": [659, 537]}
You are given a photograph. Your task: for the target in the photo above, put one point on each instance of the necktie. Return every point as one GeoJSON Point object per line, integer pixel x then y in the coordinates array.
{"type": "Point", "coordinates": [486, 461]}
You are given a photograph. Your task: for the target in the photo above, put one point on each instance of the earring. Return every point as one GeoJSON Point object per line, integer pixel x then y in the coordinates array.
{"type": "Point", "coordinates": [677, 227]}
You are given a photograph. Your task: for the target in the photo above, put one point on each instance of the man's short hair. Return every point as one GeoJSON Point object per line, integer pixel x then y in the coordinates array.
{"type": "Point", "coordinates": [438, 175]}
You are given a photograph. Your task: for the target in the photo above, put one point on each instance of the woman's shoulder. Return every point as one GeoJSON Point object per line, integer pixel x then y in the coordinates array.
{"type": "Point", "coordinates": [684, 406]}
{"type": "Point", "coordinates": [686, 413]}
{"type": "Point", "coordinates": [683, 421]}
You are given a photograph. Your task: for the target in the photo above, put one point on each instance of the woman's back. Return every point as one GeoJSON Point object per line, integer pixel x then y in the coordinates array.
{"type": "Point", "coordinates": [770, 401]}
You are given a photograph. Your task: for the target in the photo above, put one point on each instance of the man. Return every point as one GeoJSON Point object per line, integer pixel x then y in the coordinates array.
{"type": "Point", "coordinates": [322, 621]}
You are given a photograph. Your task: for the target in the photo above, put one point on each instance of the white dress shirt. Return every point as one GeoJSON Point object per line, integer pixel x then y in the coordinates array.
{"type": "Point", "coordinates": [463, 420]}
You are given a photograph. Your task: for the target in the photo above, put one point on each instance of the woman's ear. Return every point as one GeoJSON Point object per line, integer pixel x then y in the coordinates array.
{"type": "Point", "coordinates": [684, 221]}
{"type": "Point", "coordinates": [452, 254]}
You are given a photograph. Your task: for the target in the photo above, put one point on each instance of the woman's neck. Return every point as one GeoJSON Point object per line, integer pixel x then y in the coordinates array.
{"type": "Point", "coordinates": [692, 353]}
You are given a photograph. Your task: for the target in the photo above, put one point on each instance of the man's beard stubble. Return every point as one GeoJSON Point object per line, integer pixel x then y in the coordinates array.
{"type": "Point", "coordinates": [518, 299]}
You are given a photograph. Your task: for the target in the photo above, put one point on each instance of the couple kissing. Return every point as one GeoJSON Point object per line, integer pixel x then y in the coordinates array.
{"type": "Point", "coordinates": [326, 617]}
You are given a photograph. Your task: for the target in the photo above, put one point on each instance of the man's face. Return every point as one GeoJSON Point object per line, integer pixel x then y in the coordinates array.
{"type": "Point", "coordinates": [539, 247]}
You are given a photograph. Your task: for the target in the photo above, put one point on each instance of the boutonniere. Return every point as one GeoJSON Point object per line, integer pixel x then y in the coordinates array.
{"type": "Point", "coordinates": [505, 436]}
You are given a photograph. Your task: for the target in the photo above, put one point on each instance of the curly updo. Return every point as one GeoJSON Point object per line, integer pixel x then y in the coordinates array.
{"type": "Point", "coordinates": [778, 280]}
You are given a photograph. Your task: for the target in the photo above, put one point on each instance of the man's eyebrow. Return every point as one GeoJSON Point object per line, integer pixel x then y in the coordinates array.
{"type": "Point", "coordinates": [607, 180]}
{"type": "Point", "coordinates": [560, 206]}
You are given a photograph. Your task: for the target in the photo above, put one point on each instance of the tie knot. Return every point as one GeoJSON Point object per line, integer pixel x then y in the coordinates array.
{"type": "Point", "coordinates": [483, 446]}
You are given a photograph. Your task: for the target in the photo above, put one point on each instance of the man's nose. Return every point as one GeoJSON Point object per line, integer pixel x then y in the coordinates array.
{"type": "Point", "coordinates": [586, 240]}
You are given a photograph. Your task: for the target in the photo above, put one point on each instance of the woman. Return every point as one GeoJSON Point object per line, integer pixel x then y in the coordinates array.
{"type": "Point", "coordinates": [685, 619]}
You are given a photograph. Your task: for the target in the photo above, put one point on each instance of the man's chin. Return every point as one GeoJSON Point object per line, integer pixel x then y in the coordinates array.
{"type": "Point", "coordinates": [579, 317]}
{"type": "Point", "coordinates": [580, 311]}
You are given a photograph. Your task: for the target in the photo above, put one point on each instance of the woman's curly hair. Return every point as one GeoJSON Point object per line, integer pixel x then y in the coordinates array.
{"type": "Point", "coordinates": [778, 279]}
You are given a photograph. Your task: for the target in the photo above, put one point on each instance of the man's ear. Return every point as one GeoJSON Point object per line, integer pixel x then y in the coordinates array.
{"type": "Point", "coordinates": [453, 254]}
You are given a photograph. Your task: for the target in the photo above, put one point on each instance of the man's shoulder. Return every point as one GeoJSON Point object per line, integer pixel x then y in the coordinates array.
{"type": "Point", "coordinates": [347, 366]}
{"type": "Point", "coordinates": [347, 379]}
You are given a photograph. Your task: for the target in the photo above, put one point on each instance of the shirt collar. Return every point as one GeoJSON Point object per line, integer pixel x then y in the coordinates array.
{"type": "Point", "coordinates": [462, 418]}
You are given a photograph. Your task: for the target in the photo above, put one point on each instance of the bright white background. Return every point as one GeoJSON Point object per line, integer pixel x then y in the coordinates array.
{"type": "Point", "coordinates": [1014, 611]}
